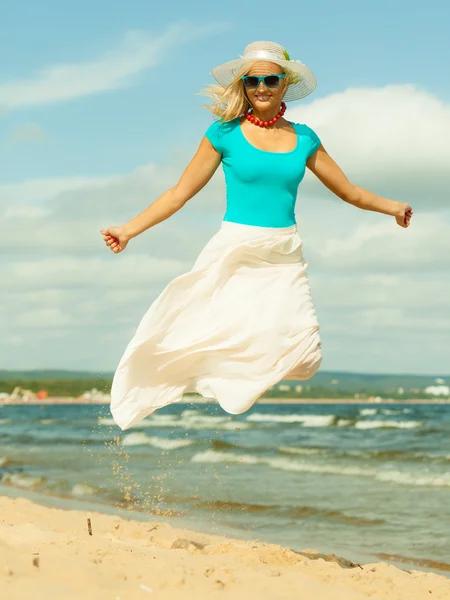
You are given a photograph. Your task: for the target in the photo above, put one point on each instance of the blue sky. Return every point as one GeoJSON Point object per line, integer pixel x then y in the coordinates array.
{"type": "Point", "coordinates": [99, 114]}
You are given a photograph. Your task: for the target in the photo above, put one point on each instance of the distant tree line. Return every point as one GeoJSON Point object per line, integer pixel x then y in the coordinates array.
{"type": "Point", "coordinates": [76, 387]}
{"type": "Point", "coordinates": [57, 387]}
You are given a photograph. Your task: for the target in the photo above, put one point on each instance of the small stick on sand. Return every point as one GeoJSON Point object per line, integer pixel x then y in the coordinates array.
{"type": "Point", "coordinates": [89, 526]}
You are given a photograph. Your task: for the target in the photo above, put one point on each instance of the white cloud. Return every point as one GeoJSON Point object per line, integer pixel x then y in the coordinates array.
{"type": "Point", "coordinates": [139, 51]}
{"type": "Point", "coordinates": [382, 246]}
{"type": "Point", "coordinates": [62, 211]}
{"type": "Point", "coordinates": [41, 190]}
{"type": "Point", "coordinates": [111, 271]}
{"type": "Point", "coordinates": [383, 323]}
{"type": "Point", "coordinates": [43, 318]}
{"type": "Point", "coordinates": [393, 140]}
{"type": "Point", "coordinates": [24, 211]}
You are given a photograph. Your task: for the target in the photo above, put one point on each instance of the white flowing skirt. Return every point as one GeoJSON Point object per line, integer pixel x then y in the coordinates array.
{"type": "Point", "coordinates": [235, 325]}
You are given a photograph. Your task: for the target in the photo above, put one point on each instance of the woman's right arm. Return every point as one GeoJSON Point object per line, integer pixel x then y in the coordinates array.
{"type": "Point", "coordinates": [196, 175]}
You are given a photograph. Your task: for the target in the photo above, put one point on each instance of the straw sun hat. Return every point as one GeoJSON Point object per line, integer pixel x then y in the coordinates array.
{"type": "Point", "coordinates": [304, 80]}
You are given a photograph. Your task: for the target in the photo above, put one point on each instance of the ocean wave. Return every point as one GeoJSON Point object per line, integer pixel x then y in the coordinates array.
{"type": "Point", "coordinates": [334, 420]}
{"type": "Point", "coordinates": [284, 464]}
{"type": "Point", "coordinates": [388, 424]}
{"type": "Point", "coordinates": [191, 412]}
{"type": "Point", "coordinates": [442, 480]}
{"type": "Point", "coordinates": [84, 489]}
{"type": "Point", "coordinates": [141, 439]}
{"type": "Point", "coordinates": [153, 421]}
{"type": "Point", "coordinates": [345, 422]}
{"type": "Point", "coordinates": [368, 411]}
{"type": "Point", "coordinates": [163, 419]}
{"type": "Point", "coordinates": [106, 421]}
{"type": "Point", "coordinates": [194, 420]}
{"type": "Point", "coordinates": [294, 450]}
{"type": "Point", "coordinates": [380, 455]}
{"type": "Point", "coordinates": [5, 421]}
{"type": "Point", "coordinates": [394, 455]}
{"type": "Point", "coordinates": [306, 420]}
{"type": "Point", "coordinates": [219, 444]}
{"type": "Point", "coordinates": [5, 461]}
{"type": "Point", "coordinates": [23, 480]}
{"type": "Point", "coordinates": [384, 411]}
{"type": "Point", "coordinates": [191, 421]}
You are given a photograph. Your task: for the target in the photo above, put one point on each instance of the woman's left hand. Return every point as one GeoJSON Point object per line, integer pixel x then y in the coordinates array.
{"type": "Point", "coordinates": [404, 214]}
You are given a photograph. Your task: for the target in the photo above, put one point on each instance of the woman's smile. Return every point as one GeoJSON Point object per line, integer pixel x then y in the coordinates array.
{"type": "Point", "coordinates": [263, 97]}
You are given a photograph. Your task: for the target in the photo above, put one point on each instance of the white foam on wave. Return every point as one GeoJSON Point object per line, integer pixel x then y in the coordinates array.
{"type": "Point", "coordinates": [154, 421]}
{"type": "Point", "coordinates": [344, 422]}
{"type": "Point", "coordinates": [442, 480]}
{"type": "Point", "coordinates": [84, 489]}
{"type": "Point", "coordinates": [141, 439]}
{"type": "Point", "coordinates": [294, 450]}
{"type": "Point", "coordinates": [203, 422]}
{"type": "Point", "coordinates": [191, 413]}
{"type": "Point", "coordinates": [368, 411]}
{"type": "Point", "coordinates": [193, 420]}
{"type": "Point", "coordinates": [106, 421]}
{"type": "Point", "coordinates": [211, 456]}
{"type": "Point", "coordinates": [284, 464]}
{"type": "Point", "coordinates": [387, 424]}
{"type": "Point", "coordinates": [5, 421]}
{"type": "Point", "coordinates": [47, 421]}
{"type": "Point", "coordinates": [306, 420]}
{"type": "Point", "coordinates": [22, 480]}
{"type": "Point", "coordinates": [160, 419]}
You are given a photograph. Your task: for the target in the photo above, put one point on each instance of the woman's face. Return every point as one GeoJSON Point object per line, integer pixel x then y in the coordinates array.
{"type": "Point", "coordinates": [263, 98]}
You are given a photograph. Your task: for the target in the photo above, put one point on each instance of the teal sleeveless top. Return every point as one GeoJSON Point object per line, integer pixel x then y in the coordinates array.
{"type": "Point", "coordinates": [261, 186]}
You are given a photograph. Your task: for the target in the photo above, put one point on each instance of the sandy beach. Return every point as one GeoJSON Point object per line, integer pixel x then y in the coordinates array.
{"type": "Point", "coordinates": [49, 553]}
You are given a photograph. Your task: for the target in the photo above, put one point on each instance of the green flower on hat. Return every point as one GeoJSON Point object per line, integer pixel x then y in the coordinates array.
{"type": "Point", "coordinates": [295, 78]}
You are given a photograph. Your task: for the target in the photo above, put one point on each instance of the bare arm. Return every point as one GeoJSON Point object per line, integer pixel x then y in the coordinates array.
{"type": "Point", "coordinates": [196, 175]}
{"type": "Point", "coordinates": [329, 173]}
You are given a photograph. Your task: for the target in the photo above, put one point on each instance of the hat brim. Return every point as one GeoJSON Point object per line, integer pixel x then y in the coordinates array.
{"type": "Point", "coordinates": [225, 74]}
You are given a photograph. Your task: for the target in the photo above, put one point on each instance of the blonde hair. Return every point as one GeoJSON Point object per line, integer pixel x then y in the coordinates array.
{"type": "Point", "coordinates": [231, 102]}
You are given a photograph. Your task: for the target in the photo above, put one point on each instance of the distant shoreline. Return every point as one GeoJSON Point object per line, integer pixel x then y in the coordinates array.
{"type": "Point", "coordinates": [68, 400]}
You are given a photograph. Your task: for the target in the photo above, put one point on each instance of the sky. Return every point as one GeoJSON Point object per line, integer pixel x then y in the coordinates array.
{"type": "Point", "coordinates": [100, 113]}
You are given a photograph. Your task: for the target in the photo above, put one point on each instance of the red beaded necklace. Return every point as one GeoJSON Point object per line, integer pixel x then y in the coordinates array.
{"type": "Point", "coordinates": [256, 121]}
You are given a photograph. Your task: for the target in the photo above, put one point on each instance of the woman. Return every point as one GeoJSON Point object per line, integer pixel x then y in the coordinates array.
{"type": "Point", "coordinates": [242, 319]}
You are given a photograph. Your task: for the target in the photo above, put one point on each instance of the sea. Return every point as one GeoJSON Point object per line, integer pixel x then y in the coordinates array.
{"type": "Point", "coordinates": [369, 483]}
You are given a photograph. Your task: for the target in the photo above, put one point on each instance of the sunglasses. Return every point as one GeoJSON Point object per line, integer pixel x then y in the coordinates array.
{"type": "Point", "coordinates": [251, 82]}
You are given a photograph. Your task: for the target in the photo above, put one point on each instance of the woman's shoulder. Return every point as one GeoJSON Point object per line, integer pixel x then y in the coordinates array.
{"type": "Point", "coordinates": [220, 131]}
{"type": "Point", "coordinates": [223, 127]}
{"type": "Point", "coordinates": [302, 128]}
{"type": "Point", "coordinates": [311, 137]}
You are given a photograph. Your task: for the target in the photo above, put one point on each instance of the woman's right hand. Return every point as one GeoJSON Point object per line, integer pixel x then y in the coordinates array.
{"type": "Point", "coordinates": [115, 238]}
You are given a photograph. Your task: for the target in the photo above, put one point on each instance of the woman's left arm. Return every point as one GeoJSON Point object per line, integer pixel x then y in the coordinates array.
{"type": "Point", "coordinates": [329, 173]}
